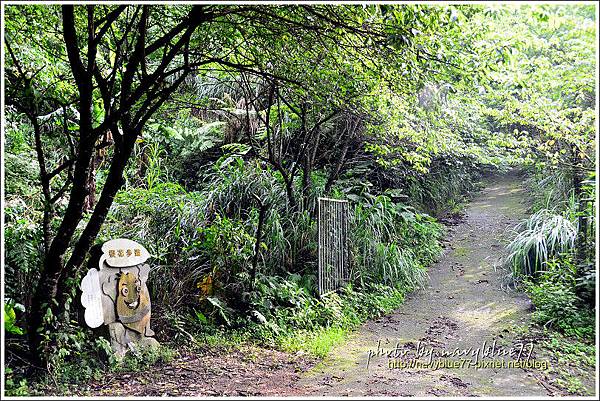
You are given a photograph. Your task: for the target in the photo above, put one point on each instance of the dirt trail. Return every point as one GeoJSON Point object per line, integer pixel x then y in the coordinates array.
{"type": "Point", "coordinates": [462, 306]}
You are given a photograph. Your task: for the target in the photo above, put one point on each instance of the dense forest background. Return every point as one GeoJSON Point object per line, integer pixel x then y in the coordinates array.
{"type": "Point", "coordinates": [207, 132]}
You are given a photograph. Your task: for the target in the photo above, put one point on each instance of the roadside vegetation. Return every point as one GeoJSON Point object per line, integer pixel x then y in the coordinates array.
{"type": "Point", "coordinates": [208, 132]}
{"type": "Point", "coordinates": [553, 260]}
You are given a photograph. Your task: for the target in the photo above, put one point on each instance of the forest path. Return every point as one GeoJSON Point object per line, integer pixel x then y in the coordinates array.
{"type": "Point", "coordinates": [462, 306]}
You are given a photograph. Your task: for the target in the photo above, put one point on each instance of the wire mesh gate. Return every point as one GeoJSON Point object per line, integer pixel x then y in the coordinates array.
{"type": "Point", "coordinates": [333, 252]}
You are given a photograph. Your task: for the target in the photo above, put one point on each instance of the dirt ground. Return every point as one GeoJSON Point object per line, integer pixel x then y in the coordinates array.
{"type": "Point", "coordinates": [463, 305]}
{"type": "Point", "coordinates": [248, 371]}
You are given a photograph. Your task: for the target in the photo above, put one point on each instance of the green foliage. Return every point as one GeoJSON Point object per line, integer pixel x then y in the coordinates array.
{"type": "Point", "coordinates": [542, 236]}
{"type": "Point", "coordinates": [317, 342]}
{"type": "Point", "coordinates": [143, 359]}
{"type": "Point", "coordinates": [556, 189]}
{"type": "Point", "coordinates": [23, 250]}
{"type": "Point", "coordinates": [287, 316]}
{"type": "Point", "coordinates": [403, 109]}
{"type": "Point", "coordinates": [392, 243]}
{"type": "Point", "coordinates": [14, 387]}
{"type": "Point", "coordinates": [10, 318]}
{"type": "Point", "coordinates": [75, 355]}
{"type": "Point", "coordinates": [557, 305]}
{"type": "Point", "coordinates": [544, 91]}
{"type": "Point", "coordinates": [573, 360]}
{"type": "Point", "coordinates": [21, 173]}
{"type": "Point", "coordinates": [284, 313]}
{"type": "Point", "coordinates": [226, 241]}
{"type": "Point", "coordinates": [549, 189]}
{"type": "Point", "coordinates": [447, 185]}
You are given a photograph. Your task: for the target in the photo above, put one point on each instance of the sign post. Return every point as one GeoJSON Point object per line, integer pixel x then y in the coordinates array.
{"type": "Point", "coordinates": [116, 295]}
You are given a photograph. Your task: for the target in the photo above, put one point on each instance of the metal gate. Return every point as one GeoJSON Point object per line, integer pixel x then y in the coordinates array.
{"type": "Point", "coordinates": [333, 244]}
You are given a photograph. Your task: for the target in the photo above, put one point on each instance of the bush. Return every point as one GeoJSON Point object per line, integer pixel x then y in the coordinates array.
{"type": "Point", "coordinates": [289, 318]}
{"type": "Point", "coordinates": [554, 295]}
{"type": "Point", "coordinates": [14, 387]}
{"type": "Point", "coordinates": [542, 236]}
{"type": "Point", "coordinates": [23, 252]}
{"type": "Point", "coordinates": [143, 359]}
{"type": "Point", "coordinates": [391, 243]}
{"type": "Point", "coordinates": [75, 354]}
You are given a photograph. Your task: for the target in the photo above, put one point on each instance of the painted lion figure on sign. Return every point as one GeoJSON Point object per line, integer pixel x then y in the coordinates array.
{"type": "Point", "coordinates": [116, 295]}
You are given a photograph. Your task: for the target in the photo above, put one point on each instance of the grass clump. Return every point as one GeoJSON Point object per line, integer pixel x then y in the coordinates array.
{"type": "Point", "coordinates": [142, 359]}
{"type": "Point", "coordinates": [317, 342]}
{"type": "Point", "coordinates": [543, 235]}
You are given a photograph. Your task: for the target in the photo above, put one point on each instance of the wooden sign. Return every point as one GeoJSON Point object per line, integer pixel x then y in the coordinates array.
{"type": "Point", "coordinates": [91, 299]}
{"type": "Point", "coordinates": [123, 253]}
{"type": "Point", "coordinates": [116, 295]}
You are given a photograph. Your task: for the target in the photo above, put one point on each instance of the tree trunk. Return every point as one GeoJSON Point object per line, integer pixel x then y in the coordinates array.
{"type": "Point", "coordinates": [306, 182]}
{"type": "Point", "coordinates": [289, 190]}
{"type": "Point", "coordinates": [261, 219]}
{"type": "Point", "coordinates": [335, 172]}
{"type": "Point", "coordinates": [90, 186]}
{"type": "Point", "coordinates": [44, 297]}
{"type": "Point", "coordinates": [114, 182]}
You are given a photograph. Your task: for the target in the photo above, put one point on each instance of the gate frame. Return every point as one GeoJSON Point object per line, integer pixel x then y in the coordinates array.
{"type": "Point", "coordinates": [343, 268]}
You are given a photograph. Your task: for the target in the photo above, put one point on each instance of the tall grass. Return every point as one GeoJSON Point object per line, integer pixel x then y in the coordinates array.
{"type": "Point", "coordinates": [174, 223]}
{"type": "Point", "coordinates": [543, 235]}
{"type": "Point", "coordinates": [445, 186]}
{"type": "Point", "coordinates": [391, 243]}
{"type": "Point", "coordinates": [550, 188]}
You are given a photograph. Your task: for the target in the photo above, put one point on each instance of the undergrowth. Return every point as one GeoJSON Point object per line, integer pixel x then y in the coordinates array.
{"type": "Point", "coordinates": [64, 375]}
{"type": "Point", "coordinates": [213, 284]}
{"type": "Point", "coordinates": [286, 317]}
{"type": "Point", "coordinates": [553, 292]}
{"type": "Point", "coordinates": [571, 360]}
{"type": "Point", "coordinates": [323, 324]}
{"type": "Point", "coordinates": [552, 260]}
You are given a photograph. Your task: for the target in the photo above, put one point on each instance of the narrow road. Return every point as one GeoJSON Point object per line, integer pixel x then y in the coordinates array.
{"type": "Point", "coordinates": [462, 307]}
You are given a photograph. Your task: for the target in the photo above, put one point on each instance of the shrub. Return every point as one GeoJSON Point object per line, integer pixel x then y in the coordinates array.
{"type": "Point", "coordinates": [143, 359]}
{"type": "Point", "coordinates": [286, 316]}
{"type": "Point", "coordinates": [543, 235]}
{"type": "Point", "coordinates": [391, 243]}
{"type": "Point", "coordinates": [554, 295]}
{"type": "Point", "coordinates": [14, 387]}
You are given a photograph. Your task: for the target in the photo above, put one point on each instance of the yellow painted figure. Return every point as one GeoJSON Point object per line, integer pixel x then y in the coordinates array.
{"type": "Point", "coordinates": [133, 303]}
